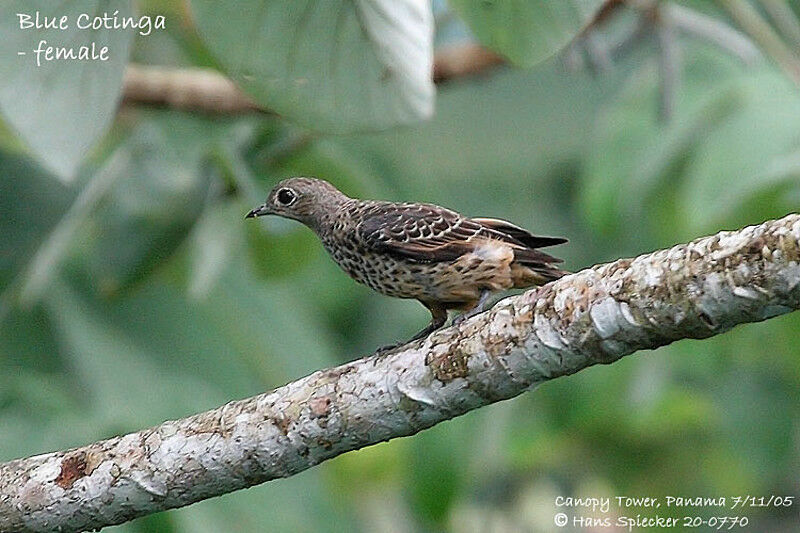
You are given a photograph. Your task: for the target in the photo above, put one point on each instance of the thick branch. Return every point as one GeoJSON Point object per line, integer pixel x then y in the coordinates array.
{"type": "Point", "coordinates": [693, 290]}
{"type": "Point", "coordinates": [187, 88]}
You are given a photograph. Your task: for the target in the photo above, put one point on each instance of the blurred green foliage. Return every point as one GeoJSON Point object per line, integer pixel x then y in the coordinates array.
{"type": "Point", "coordinates": [60, 110]}
{"type": "Point", "coordinates": [526, 32]}
{"type": "Point", "coordinates": [136, 293]}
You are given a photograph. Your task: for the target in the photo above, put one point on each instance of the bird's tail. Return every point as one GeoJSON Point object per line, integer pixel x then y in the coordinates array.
{"type": "Point", "coordinates": [531, 266]}
{"type": "Point", "coordinates": [534, 267]}
{"type": "Point", "coordinates": [523, 275]}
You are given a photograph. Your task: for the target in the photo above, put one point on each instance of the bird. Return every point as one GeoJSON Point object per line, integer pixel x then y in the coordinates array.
{"type": "Point", "coordinates": [420, 251]}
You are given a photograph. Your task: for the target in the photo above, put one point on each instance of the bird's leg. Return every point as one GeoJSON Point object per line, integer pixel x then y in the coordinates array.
{"type": "Point", "coordinates": [438, 318]}
{"type": "Point", "coordinates": [477, 308]}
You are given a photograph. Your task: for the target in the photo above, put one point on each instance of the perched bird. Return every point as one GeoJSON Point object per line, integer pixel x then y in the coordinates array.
{"type": "Point", "coordinates": [422, 251]}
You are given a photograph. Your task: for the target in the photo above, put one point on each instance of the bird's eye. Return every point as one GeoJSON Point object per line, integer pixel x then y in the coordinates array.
{"type": "Point", "coordinates": [286, 196]}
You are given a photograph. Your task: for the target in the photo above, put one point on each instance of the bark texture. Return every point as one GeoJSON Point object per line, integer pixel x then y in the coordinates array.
{"type": "Point", "coordinates": [598, 315]}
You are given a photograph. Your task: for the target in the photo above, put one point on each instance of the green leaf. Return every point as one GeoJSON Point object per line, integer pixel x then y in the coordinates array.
{"type": "Point", "coordinates": [437, 470]}
{"type": "Point", "coordinates": [277, 247]}
{"type": "Point", "coordinates": [31, 204]}
{"type": "Point", "coordinates": [160, 193]}
{"type": "Point", "coordinates": [622, 133]}
{"type": "Point", "coordinates": [525, 31]}
{"type": "Point", "coordinates": [277, 254]}
{"type": "Point", "coordinates": [56, 245]}
{"type": "Point", "coordinates": [299, 503]}
{"type": "Point", "coordinates": [676, 179]}
{"type": "Point", "coordinates": [756, 148]}
{"type": "Point", "coordinates": [113, 367]}
{"type": "Point", "coordinates": [338, 65]}
{"type": "Point", "coordinates": [62, 107]}
{"type": "Point", "coordinates": [213, 239]}
{"type": "Point", "coordinates": [271, 325]}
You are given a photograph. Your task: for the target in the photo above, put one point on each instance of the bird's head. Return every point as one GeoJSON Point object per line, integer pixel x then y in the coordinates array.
{"type": "Point", "coordinates": [303, 199]}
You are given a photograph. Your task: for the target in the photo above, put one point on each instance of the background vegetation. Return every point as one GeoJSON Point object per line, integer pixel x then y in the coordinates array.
{"type": "Point", "coordinates": [131, 290]}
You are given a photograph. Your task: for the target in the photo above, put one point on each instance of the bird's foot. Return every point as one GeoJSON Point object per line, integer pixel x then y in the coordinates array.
{"type": "Point", "coordinates": [387, 348]}
{"type": "Point", "coordinates": [391, 347]}
{"type": "Point", "coordinates": [466, 315]}
{"type": "Point", "coordinates": [477, 309]}
{"type": "Point", "coordinates": [438, 320]}
{"type": "Point", "coordinates": [461, 318]}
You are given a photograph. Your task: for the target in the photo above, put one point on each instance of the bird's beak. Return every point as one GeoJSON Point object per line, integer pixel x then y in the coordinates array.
{"type": "Point", "coordinates": [258, 211]}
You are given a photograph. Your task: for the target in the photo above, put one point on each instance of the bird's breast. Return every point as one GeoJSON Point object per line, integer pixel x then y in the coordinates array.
{"type": "Point", "coordinates": [380, 272]}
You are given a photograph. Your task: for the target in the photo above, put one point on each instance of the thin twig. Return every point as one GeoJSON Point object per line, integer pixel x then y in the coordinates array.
{"type": "Point", "coordinates": [712, 30]}
{"type": "Point", "coordinates": [754, 24]}
{"type": "Point", "coordinates": [669, 66]}
{"type": "Point", "coordinates": [784, 18]}
{"type": "Point", "coordinates": [466, 59]}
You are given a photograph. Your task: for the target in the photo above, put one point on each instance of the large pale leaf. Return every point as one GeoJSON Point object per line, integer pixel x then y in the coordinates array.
{"type": "Point", "coordinates": [61, 107]}
{"type": "Point", "coordinates": [101, 352]}
{"type": "Point", "coordinates": [162, 186]}
{"type": "Point", "coordinates": [212, 240]}
{"type": "Point", "coordinates": [755, 149]}
{"type": "Point", "coordinates": [337, 65]}
{"type": "Point", "coordinates": [526, 31]}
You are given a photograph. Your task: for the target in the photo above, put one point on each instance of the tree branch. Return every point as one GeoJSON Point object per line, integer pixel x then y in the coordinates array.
{"type": "Point", "coordinates": [598, 315]}
{"type": "Point", "coordinates": [185, 88]}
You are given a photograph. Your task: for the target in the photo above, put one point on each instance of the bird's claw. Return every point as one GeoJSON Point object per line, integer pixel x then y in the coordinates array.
{"type": "Point", "coordinates": [464, 316]}
{"type": "Point", "coordinates": [386, 348]}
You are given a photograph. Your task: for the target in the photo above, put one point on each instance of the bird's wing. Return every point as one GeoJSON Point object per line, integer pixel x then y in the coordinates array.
{"type": "Point", "coordinates": [419, 232]}
{"type": "Point", "coordinates": [428, 233]}
{"type": "Point", "coordinates": [521, 235]}
{"type": "Point", "coordinates": [525, 243]}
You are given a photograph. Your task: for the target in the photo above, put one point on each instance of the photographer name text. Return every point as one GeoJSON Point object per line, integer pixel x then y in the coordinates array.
{"type": "Point", "coordinates": [687, 512]}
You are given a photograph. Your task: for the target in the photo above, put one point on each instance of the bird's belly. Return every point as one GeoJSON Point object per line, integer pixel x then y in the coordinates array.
{"type": "Point", "coordinates": [455, 282]}
{"type": "Point", "coordinates": [387, 275]}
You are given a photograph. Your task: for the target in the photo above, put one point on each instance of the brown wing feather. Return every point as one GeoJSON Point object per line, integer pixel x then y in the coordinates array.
{"type": "Point", "coordinates": [519, 234]}
{"type": "Point", "coordinates": [526, 253]}
{"type": "Point", "coordinates": [419, 232]}
{"type": "Point", "coordinates": [428, 233]}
